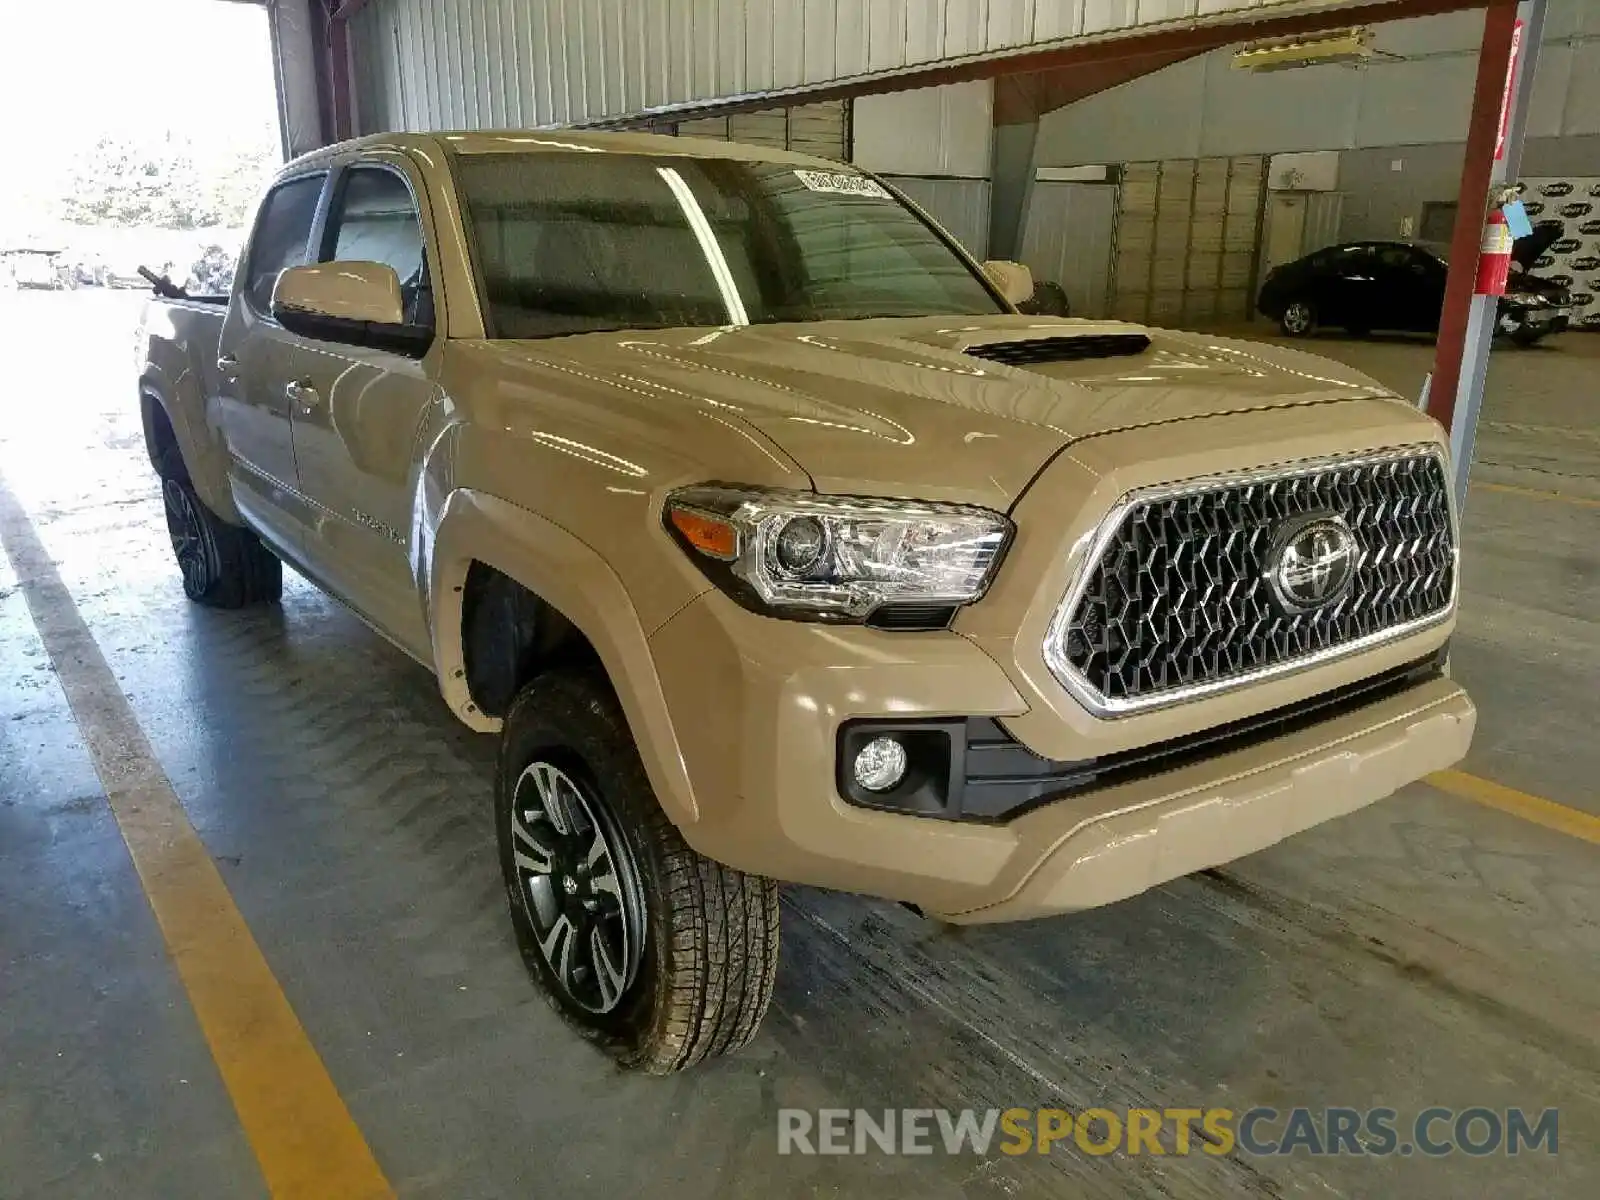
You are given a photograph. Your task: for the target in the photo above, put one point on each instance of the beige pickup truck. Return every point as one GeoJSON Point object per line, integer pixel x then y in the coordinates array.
{"type": "Point", "coordinates": [776, 545]}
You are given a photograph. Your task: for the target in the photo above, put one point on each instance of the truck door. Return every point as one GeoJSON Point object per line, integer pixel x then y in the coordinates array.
{"type": "Point", "coordinates": [251, 405]}
{"type": "Point", "coordinates": [1422, 296]}
{"type": "Point", "coordinates": [359, 410]}
{"type": "Point", "coordinates": [1349, 289]}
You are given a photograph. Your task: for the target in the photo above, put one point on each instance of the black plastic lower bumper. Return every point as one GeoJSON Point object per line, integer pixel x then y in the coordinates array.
{"type": "Point", "coordinates": [971, 769]}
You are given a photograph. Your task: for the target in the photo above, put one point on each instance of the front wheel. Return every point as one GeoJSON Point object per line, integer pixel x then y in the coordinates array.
{"type": "Point", "coordinates": [1299, 319]}
{"type": "Point", "coordinates": [654, 952]}
{"type": "Point", "coordinates": [1526, 335]}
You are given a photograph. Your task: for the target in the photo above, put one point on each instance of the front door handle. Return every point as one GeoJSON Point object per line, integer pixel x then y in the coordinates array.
{"type": "Point", "coordinates": [301, 394]}
{"type": "Point", "coordinates": [228, 364]}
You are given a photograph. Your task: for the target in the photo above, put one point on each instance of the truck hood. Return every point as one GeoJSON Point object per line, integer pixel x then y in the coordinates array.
{"type": "Point", "coordinates": [921, 406]}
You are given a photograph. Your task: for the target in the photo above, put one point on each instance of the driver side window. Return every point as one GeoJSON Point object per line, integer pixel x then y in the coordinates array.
{"type": "Point", "coordinates": [375, 219]}
{"type": "Point", "coordinates": [281, 236]}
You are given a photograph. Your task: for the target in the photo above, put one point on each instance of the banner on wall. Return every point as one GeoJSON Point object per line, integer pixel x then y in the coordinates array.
{"type": "Point", "coordinates": [1574, 259]}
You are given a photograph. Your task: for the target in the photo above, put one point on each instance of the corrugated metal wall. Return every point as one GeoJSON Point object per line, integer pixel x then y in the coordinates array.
{"type": "Point", "coordinates": [960, 205]}
{"type": "Point", "coordinates": [426, 64]}
{"type": "Point", "coordinates": [927, 131]}
{"type": "Point", "coordinates": [1323, 212]}
{"type": "Point", "coordinates": [1067, 239]}
{"type": "Point", "coordinates": [934, 145]}
{"type": "Point", "coordinates": [822, 129]}
{"type": "Point", "coordinates": [1187, 237]}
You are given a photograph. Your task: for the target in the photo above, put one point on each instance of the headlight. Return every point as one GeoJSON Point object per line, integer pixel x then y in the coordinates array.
{"type": "Point", "coordinates": [837, 558]}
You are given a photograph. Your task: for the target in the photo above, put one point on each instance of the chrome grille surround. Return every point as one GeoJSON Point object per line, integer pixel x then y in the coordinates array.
{"type": "Point", "coordinates": [1428, 547]}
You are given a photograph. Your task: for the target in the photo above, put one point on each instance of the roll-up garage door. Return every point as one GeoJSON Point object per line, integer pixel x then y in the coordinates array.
{"type": "Point", "coordinates": [769, 127]}
{"type": "Point", "coordinates": [1136, 241]}
{"type": "Point", "coordinates": [1187, 231]}
{"type": "Point", "coordinates": [821, 129]}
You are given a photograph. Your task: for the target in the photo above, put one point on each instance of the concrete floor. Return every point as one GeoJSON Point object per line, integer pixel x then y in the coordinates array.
{"type": "Point", "coordinates": [1425, 951]}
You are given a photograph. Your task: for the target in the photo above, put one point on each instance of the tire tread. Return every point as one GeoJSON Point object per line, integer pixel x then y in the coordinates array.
{"type": "Point", "coordinates": [716, 984]}
{"type": "Point", "coordinates": [247, 572]}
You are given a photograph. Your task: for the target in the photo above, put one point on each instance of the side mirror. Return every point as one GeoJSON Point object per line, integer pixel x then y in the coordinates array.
{"type": "Point", "coordinates": [1014, 280]}
{"type": "Point", "coordinates": [357, 303]}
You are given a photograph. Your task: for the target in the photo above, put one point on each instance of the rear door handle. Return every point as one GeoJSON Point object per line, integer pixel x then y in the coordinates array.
{"type": "Point", "coordinates": [228, 364]}
{"type": "Point", "coordinates": [301, 394]}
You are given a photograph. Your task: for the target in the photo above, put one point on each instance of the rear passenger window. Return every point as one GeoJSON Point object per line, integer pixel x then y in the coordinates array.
{"type": "Point", "coordinates": [283, 236]}
{"type": "Point", "coordinates": [375, 220]}
{"type": "Point", "coordinates": [1346, 260]}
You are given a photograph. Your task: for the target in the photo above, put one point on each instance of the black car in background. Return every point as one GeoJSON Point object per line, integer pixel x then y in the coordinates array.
{"type": "Point", "coordinates": [1363, 286]}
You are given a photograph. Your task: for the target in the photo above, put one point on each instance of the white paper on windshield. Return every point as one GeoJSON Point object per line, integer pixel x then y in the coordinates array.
{"type": "Point", "coordinates": [842, 185]}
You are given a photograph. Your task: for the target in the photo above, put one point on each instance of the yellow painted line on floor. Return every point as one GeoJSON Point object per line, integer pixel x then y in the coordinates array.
{"type": "Point", "coordinates": [1536, 494]}
{"type": "Point", "coordinates": [297, 1124]}
{"type": "Point", "coordinates": [1572, 821]}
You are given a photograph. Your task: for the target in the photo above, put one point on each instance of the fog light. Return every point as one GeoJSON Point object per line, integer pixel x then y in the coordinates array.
{"type": "Point", "coordinates": [880, 764]}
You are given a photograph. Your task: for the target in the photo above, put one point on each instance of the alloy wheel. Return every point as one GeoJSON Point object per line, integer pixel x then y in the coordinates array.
{"type": "Point", "coordinates": [188, 536]}
{"type": "Point", "coordinates": [579, 886]}
{"type": "Point", "coordinates": [1297, 317]}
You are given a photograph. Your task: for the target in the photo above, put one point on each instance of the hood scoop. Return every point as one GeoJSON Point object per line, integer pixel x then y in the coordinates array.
{"type": "Point", "coordinates": [1027, 352]}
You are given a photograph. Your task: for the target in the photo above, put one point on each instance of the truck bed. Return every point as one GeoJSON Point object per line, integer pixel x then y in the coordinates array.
{"type": "Point", "coordinates": [179, 338]}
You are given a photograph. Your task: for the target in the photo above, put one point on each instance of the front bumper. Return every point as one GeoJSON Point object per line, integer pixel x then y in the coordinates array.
{"type": "Point", "coordinates": [1543, 321]}
{"type": "Point", "coordinates": [757, 705]}
{"type": "Point", "coordinates": [1117, 846]}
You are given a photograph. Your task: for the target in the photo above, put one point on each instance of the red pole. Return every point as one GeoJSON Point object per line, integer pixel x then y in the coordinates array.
{"type": "Point", "coordinates": [1489, 97]}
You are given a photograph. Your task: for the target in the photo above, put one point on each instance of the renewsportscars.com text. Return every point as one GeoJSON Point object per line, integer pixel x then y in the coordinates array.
{"type": "Point", "coordinates": [1378, 1132]}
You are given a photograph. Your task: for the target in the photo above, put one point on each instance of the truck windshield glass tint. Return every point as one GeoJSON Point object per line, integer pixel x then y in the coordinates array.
{"type": "Point", "coordinates": [575, 243]}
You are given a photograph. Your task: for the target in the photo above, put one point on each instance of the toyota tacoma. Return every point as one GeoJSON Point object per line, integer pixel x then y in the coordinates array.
{"type": "Point", "coordinates": [776, 545]}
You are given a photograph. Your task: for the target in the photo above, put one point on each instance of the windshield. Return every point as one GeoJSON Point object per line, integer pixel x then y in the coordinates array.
{"type": "Point", "coordinates": [578, 243]}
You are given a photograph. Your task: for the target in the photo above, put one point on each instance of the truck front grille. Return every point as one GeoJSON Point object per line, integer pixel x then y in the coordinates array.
{"type": "Point", "coordinates": [1177, 599]}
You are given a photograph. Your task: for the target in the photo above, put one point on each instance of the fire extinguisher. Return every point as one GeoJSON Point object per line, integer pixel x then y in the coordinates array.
{"type": "Point", "coordinates": [1494, 255]}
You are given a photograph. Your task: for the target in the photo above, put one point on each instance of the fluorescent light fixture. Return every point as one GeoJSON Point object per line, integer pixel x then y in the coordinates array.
{"type": "Point", "coordinates": [1280, 54]}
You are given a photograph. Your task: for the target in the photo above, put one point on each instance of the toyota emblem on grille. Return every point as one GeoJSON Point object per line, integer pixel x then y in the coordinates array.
{"type": "Point", "coordinates": [1312, 562]}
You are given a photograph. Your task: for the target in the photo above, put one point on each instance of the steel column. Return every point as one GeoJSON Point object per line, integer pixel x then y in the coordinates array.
{"type": "Point", "coordinates": [1506, 68]}
{"type": "Point", "coordinates": [296, 51]}
{"type": "Point", "coordinates": [341, 92]}
{"type": "Point", "coordinates": [1012, 166]}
